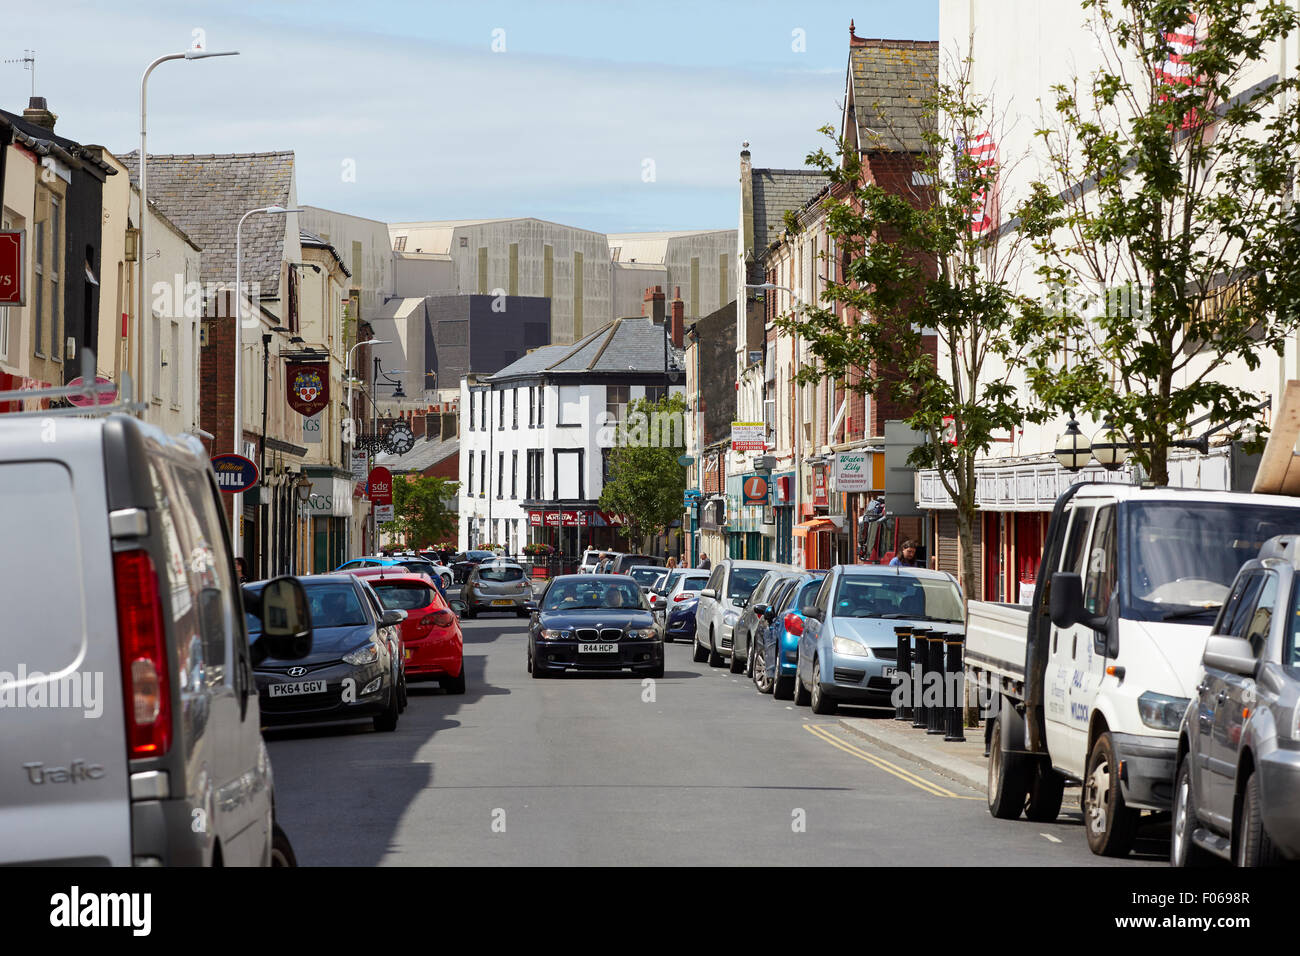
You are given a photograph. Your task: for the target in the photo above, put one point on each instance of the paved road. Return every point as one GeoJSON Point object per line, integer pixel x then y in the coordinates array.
{"type": "Point", "coordinates": [586, 770]}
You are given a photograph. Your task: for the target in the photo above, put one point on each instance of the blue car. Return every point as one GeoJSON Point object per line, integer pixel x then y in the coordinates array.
{"type": "Point", "coordinates": [680, 619]}
{"type": "Point", "coordinates": [776, 646]}
{"type": "Point", "coordinates": [848, 648]}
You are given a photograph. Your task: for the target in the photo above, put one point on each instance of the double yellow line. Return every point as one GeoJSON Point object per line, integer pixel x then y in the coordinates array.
{"type": "Point", "coordinates": [822, 733]}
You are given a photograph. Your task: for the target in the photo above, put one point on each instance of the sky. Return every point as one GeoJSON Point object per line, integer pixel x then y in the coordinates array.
{"type": "Point", "coordinates": [610, 116]}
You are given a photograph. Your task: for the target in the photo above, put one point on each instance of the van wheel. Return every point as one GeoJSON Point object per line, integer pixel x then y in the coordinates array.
{"type": "Point", "coordinates": [1254, 846]}
{"type": "Point", "coordinates": [1046, 791]}
{"type": "Point", "coordinates": [387, 721]}
{"type": "Point", "coordinates": [1108, 822]}
{"type": "Point", "coordinates": [1007, 784]}
{"type": "Point", "coordinates": [701, 655]}
{"type": "Point", "coordinates": [715, 659]}
{"type": "Point", "coordinates": [1183, 850]}
{"type": "Point", "coordinates": [281, 851]}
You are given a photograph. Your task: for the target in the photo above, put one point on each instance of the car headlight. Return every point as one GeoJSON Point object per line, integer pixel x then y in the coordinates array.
{"type": "Point", "coordinates": [366, 654]}
{"type": "Point", "coordinates": [1161, 711]}
{"type": "Point", "coordinates": [849, 647]}
{"type": "Point", "coordinates": [730, 618]}
{"type": "Point", "coordinates": [555, 635]}
{"type": "Point", "coordinates": [641, 633]}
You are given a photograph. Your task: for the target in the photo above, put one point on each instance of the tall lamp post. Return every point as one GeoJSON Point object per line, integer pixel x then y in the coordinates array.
{"type": "Point", "coordinates": [238, 437]}
{"type": "Point", "coordinates": [350, 374]}
{"type": "Point", "coordinates": [141, 340]}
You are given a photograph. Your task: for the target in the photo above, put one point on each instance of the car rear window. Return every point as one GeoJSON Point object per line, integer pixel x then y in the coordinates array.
{"type": "Point", "coordinates": [646, 575]}
{"type": "Point", "coordinates": [403, 595]}
{"type": "Point", "coordinates": [501, 574]}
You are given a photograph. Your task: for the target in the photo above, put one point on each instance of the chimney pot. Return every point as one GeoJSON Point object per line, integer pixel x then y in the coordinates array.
{"type": "Point", "coordinates": [38, 113]}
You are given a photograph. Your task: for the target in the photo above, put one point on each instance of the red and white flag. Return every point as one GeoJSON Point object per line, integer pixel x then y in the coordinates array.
{"type": "Point", "coordinates": [984, 152]}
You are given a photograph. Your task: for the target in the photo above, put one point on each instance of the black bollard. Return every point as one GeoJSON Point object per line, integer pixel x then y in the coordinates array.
{"type": "Point", "coordinates": [902, 667]}
{"type": "Point", "coordinates": [936, 716]}
{"type": "Point", "coordinates": [956, 719]}
{"type": "Point", "coordinates": [920, 660]}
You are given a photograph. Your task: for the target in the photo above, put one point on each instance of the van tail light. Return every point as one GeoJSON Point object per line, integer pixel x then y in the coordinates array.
{"type": "Point", "coordinates": [793, 624]}
{"type": "Point", "coordinates": [146, 684]}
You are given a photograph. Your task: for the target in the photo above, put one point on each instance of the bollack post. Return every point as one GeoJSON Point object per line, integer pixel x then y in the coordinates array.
{"type": "Point", "coordinates": [902, 669]}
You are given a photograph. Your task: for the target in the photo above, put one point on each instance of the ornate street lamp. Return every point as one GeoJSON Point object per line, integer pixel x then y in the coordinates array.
{"type": "Point", "coordinates": [1073, 450]}
{"type": "Point", "coordinates": [1109, 448]}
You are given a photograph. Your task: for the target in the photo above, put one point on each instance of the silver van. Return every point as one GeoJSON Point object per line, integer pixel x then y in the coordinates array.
{"type": "Point", "coordinates": [130, 715]}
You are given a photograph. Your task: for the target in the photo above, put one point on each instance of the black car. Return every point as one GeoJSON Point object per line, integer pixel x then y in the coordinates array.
{"type": "Point", "coordinates": [465, 562]}
{"type": "Point", "coordinates": [351, 672]}
{"type": "Point", "coordinates": [594, 622]}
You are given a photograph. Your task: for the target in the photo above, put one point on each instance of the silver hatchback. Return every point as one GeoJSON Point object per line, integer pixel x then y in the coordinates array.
{"type": "Point", "coordinates": [498, 585]}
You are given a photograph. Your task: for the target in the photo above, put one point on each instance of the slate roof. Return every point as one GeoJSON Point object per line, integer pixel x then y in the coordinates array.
{"type": "Point", "coordinates": [205, 195]}
{"type": "Point", "coordinates": [425, 454]}
{"type": "Point", "coordinates": [634, 345]}
{"type": "Point", "coordinates": [891, 81]}
{"type": "Point", "coordinates": [778, 190]}
{"type": "Point", "coordinates": [310, 240]}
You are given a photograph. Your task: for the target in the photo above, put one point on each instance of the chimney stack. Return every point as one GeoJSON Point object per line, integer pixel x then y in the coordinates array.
{"type": "Point", "coordinates": [678, 317]}
{"type": "Point", "coordinates": [38, 113]}
{"type": "Point", "coordinates": [654, 297]}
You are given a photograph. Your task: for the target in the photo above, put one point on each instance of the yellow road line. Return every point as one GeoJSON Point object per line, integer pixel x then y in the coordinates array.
{"type": "Point", "coordinates": [907, 776]}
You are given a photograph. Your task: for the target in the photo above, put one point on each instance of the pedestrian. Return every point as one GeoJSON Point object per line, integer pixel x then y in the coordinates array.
{"type": "Point", "coordinates": [705, 563]}
{"type": "Point", "coordinates": [906, 557]}
{"type": "Point", "coordinates": [671, 563]}
{"type": "Point", "coordinates": [241, 570]}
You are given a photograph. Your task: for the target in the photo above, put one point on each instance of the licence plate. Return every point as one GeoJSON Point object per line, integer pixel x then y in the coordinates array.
{"type": "Point", "coordinates": [293, 688]}
{"type": "Point", "coordinates": [506, 602]}
{"type": "Point", "coordinates": [408, 654]}
{"type": "Point", "coordinates": [890, 672]}
{"type": "Point", "coordinates": [597, 648]}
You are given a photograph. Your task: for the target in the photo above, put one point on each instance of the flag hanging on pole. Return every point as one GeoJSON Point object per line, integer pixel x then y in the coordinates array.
{"type": "Point", "coordinates": [983, 151]}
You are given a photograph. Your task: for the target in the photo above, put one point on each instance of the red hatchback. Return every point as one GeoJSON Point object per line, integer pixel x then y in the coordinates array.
{"type": "Point", "coordinates": [431, 631]}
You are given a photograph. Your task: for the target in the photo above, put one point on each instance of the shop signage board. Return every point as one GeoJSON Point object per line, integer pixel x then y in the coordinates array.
{"type": "Point", "coordinates": [748, 436]}
{"type": "Point", "coordinates": [853, 471]}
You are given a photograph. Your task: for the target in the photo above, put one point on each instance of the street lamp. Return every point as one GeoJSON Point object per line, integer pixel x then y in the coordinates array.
{"type": "Point", "coordinates": [302, 489]}
{"type": "Point", "coordinates": [144, 206]}
{"type": "Point", "coordinates": [1073, 450]}
{"type": "Point", "coordinates": [238, 438]}
{"type": "Point", "coordinates": [1109, 448]}
{"type": "Point", "coordinates": [350, 372]}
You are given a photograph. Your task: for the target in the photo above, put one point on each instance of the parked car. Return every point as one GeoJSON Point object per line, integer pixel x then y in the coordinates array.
{"type": "Point", "coordinates": [148, 606]}
{"type": "Point", "coordinates": [676, 609]}
{"type": "Point", "coordinates": [590, 558]}
{"type": "Point", "coordinates": [439, 572]}
{"type": "Point", "coordinates": [497, 585]}
{"type": "Point", "coordinates": [752, 618]}
{"type": "Point", "coordinates": [593, 622]}
{"type": "Point", "coordinates": [730, 583]}
{"type": "Point", "coordinates": [623, 563]}
{"type": "Point", "coordinates": [436, 580]}
{"type": "Point", "coordinates": [396, 646]}
{"type": "Point", "coordinates": [848, 649]}
{"type": "Point", "coordinates": [431, 636]}
{"type": "Point", "coordinates": [350, 673]}
{"type": "Point", "coordinates": [775, 657]}
{"type": "Point", "coordinates": [645, 575]}
{"type": "Point", "coordinates": [466, 561]}
{"type": "Point", "coordinates": [1237, 786]}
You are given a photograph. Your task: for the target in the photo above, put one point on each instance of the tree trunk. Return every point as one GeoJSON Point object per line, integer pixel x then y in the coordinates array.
{"type": "Point", "coordinates": [966, 517]}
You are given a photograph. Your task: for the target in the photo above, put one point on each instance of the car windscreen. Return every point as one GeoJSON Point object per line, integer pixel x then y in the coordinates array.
{"type": "Point", "coordinates": [898, 597]}
{"type": "Point", "coordinates": [499, 575]}
{"type": "Point", "coordinates": [334, 605]}
{"type": "Point", "coordinates": [645, 575]}
{"type": "Point", "coordinates": [590, 595]}
{"type": "Point", "coordinates": [403, 595]}
{"type": "Point", "coordinates": [1184, 555]}
{"type": "Point", "coordinates": [479, 555]}
{"type": "Point", "coordinates": [743, 581]}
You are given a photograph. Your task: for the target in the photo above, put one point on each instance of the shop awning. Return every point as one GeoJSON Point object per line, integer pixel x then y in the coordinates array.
{"type": "Point", "coordinates": [813, 526]}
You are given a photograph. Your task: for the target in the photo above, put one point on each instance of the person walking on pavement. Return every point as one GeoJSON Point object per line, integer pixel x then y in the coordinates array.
{"type": "Point", "coordinates": [705, 563]}
{"type": "Point", "coordinates": [906, 558]}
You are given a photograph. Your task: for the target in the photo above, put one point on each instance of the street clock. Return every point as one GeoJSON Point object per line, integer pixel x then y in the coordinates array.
{"type": "Point", "coordinates": [399, 439]}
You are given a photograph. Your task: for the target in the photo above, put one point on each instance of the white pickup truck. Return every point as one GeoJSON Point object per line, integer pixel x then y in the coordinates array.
{"type": "Point", "coordinates": [1087, 684]}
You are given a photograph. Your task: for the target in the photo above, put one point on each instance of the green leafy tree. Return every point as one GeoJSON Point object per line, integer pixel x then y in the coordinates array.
{"type": "Point", "coordinates": [923, 263]}
{"type": "Point", "coordinates": [646, 482]}
{"type": "Point", "coordinates": [1164, 224]}
{"type": "Point", "coordinates": [421, 515]}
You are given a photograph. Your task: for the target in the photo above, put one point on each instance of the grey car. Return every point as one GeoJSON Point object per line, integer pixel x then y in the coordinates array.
{"type": "Point", "coordinates": [1237, 784]}
{"type": "Point", "coordinates": [497, 585]}
{"type": "Point", "coordinates": [145, 745]}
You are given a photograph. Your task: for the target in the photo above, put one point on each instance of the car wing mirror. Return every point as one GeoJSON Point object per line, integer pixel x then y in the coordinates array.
{"type": "Point", "coordinates": [811, 612]}
{"type": "Point", "coordinates": [457, 606]}
{"type": "Point", "coordinates": [285, 613]}
{"type": "Point", "coordinates": [389, 618]}
{"type": "Point", "coordinates": [1231, 654]}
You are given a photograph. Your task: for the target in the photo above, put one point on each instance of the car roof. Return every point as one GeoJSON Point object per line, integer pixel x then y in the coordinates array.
{"type": "Point", "coordinates": [883, 570]}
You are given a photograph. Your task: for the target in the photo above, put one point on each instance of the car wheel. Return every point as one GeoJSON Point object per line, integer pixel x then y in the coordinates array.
{"type": "Point", "coordinates": [1046, 791]}
{"type": "Point", "coordinates": [1183, 850]}
{"type": "Point", "coordinates": [715, 659]}
{"type": "Point", "coordinates": [387, 721]}
{"type": "Point", "coordinates": [281, 850]}
{"type": "Point", "coordinates": [821, 704]}
{"type": "Point", "coordinates": [737, 663]}
{"type": "Point", "coordinates": [454, 685]}
{"type": "Point", "coordinates": [1109, 823]}
{"type": "Point", "coordinates": [783, 688]}
{"type": "Point", "coordinates": [701, 655]}
{"type": "Point", "coordinates": [1007, 784]}
{"type": "Point", "coordinates": [801, 697]}
{"type": "Point", "coordinates": [668, 638]}
{"type": "Point", "coordinates": [1254, 846]}
{"type": "Point", "coordinates": [468, 613]}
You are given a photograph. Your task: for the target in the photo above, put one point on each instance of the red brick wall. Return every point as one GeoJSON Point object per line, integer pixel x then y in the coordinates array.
{"type": "Point", "coordinates": [217, 383]}
{"type": "Point", "coordinates": [449, 467]}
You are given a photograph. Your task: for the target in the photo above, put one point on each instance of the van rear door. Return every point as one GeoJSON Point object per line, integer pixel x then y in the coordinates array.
{"type": "Point", "coordinates": [64, 791]}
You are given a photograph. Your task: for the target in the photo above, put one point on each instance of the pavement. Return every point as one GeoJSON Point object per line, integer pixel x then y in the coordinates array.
{"type": "Point", "coordinates": [960, 761]}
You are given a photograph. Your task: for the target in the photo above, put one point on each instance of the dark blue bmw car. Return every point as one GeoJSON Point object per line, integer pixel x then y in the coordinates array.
{"type": "Point", "coordinates": [594, 622]}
